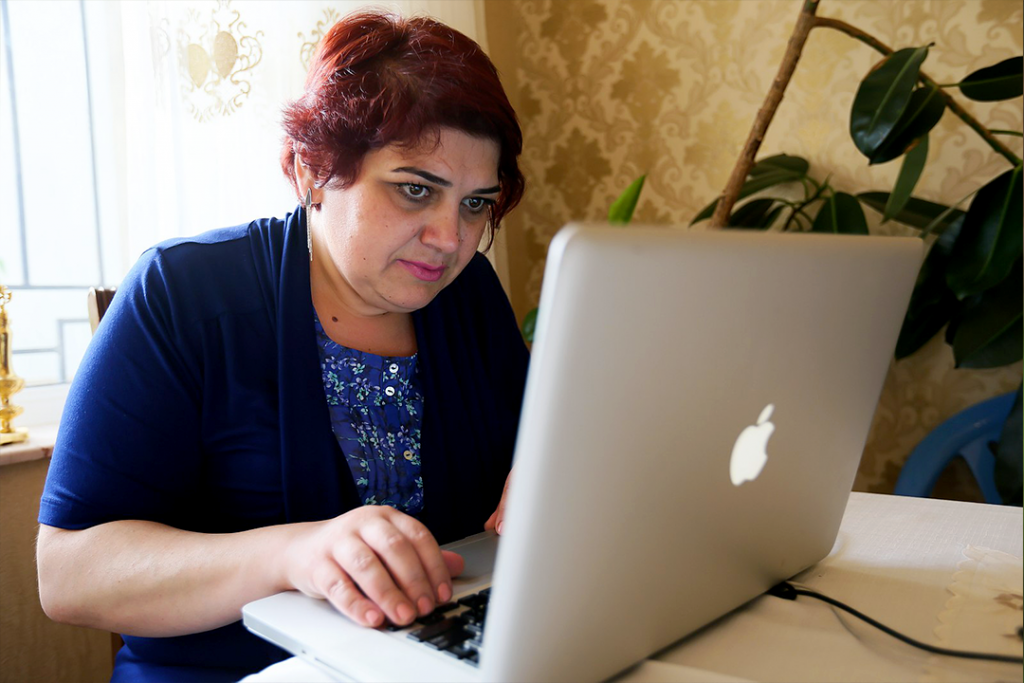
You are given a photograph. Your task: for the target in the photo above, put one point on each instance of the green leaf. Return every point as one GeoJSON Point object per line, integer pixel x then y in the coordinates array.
{"type": "Point", "coordinates": [706, 212]}
{"type": "Point", "coordinates": [910, 172]}
{"type": "Point", "coordinates": [841, 214]}
{"type": "Point", "coordinates": [769, 179]}
{"type": "Point", "coordinates": [990, 332]}
{"type": "Point", "coordinates": [530, 325]}
{"type": "Point", "coordinates": [991, 239]}
{"type": "Point", "coordinates": [923, 112]}
{"type": "Point", "coordinates": [783, 162]}
{"type": "Point", "coordinates": [923, 322]}
{"type": "Point", "coordinates": [1002, 81]}
{"type": "Point", "coordinates": [932, 304]}
{"type": "Point", "coordinates": [882, 97]}
{"type": "Point", "coordinates": [954, 321]}
{"type": "Point", "coordinates": [769, 220]}
{"type": "Point", "coordinates": [762, 181]}
{"type": "Point", "coordinates": [621, 211]}
{"type": "Point", "coordinates": [937, 223]}
{"type": "Point", "coordinates": [752, 214]}
{"type": "Point", "coordinates": [1009, 469]}
{"type": "Point", "coordinates": [917, 213]}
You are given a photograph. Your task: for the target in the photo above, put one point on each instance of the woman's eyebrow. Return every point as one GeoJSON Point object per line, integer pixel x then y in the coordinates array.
{"type": "Point", "coordinates": [426, 175]}
{"type": "Point", "coordinates": [438, 180]}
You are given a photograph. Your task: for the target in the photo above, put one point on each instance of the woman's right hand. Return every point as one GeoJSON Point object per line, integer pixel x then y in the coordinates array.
{"type": "Point", "coordinates": [372, 563]}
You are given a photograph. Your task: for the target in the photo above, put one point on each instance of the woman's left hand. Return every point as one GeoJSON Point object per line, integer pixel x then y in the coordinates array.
{"type": "Point", "coordinates": [498, 516]}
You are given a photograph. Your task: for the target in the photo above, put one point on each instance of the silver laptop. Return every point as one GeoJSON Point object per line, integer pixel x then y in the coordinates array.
{"type": "Point", "coordinates": [696, 407]}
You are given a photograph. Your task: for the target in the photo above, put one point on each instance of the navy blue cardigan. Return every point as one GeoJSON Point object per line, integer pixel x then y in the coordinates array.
{"type": "Point", "coordinates": [199, 404]}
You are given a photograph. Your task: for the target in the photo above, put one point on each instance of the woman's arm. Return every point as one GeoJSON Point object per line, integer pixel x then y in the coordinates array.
{"type": "Point", "coordinates": [148, 579]}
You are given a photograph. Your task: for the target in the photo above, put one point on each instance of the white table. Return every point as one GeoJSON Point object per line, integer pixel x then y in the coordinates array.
{"type": "Point", "coordinates": [895, 560]}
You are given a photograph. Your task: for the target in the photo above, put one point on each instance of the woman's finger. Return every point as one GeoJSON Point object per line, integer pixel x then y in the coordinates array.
{"type": "Point", "coordinates": [497, 518]}
{"type": "Point", "coordinates": [406, 563]}
{"type": "Point", "coordinates": [361, 564]}
{"type": "Point", "coordinates": [492, 520]}
{"type": "Point", "coordinates": [430, 556]}
{"type": "Point", "coordinates": [456, 563]}
{"type": "Point", "coordinates": [333, 585]}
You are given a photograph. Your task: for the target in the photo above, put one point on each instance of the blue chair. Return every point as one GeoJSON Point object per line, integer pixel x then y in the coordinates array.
{"type": "Point", "coordinates": [967, 434]}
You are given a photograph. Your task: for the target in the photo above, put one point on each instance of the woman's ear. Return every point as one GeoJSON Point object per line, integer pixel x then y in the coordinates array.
{"type": "Point", "coordinates": [306, 180]}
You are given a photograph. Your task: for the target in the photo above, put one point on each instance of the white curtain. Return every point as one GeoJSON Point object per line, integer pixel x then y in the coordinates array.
{"type": "Point", "coordinates": [195, 94]}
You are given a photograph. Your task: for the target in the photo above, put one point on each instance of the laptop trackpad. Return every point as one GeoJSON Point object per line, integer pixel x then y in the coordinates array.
{"type": "Point", "coordinates": [479, 552]}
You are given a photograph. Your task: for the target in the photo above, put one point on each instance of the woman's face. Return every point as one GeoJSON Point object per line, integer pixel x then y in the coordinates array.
{"type": "Point", "coordinates": [408, 225]}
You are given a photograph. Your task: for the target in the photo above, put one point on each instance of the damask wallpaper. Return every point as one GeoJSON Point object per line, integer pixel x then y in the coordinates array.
{"type": "Point", "coordinates": [610, 89]}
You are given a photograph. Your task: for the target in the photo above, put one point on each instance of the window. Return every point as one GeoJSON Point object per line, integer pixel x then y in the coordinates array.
{"type": "Point", "coordinates": [50, 224]}
{"type": "Point", "coordinates": [114, 136]}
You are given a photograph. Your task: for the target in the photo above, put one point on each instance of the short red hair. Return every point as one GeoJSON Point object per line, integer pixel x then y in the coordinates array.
{"type": "Point", "coordinates": [379, 79]}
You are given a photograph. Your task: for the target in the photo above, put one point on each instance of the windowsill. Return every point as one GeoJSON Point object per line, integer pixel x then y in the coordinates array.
{"type": "Point", "coordinates": [43, 407]}
{"type": "Point", "coordinates": [38, 446]}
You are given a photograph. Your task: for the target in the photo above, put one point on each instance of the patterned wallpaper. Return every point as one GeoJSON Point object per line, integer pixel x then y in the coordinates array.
{"type": "Point", "coordinates": [610, 89]}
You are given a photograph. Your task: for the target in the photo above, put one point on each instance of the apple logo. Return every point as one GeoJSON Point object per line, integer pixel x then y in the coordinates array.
{"type": "Point", "coordinates": [749, 453]}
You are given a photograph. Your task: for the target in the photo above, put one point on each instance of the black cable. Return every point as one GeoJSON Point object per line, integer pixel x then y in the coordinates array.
{"type": "Point", "coordinates": [787, 591]}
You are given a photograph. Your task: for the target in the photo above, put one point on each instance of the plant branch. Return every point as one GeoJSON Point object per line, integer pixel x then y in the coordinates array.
{"type": "Point", "coordinates": [953, 105]}
{"type": "Point", "coordinates": [764, 117]}
{"type": "Point", "coordinates": [807, 21]}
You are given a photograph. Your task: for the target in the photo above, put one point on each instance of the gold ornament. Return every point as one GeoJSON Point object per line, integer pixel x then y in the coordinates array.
{"type": "Point", "coordinates": [10, 383]}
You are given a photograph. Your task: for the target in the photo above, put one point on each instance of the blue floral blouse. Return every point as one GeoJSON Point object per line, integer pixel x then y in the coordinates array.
{"type": "Point", "coordinates": [376, 410]}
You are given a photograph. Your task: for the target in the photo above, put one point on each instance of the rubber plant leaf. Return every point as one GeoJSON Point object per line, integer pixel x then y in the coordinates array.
{"type": "Point", "coordinates": [910, 173]}
{"type": "Point", "coordinates": [769, 220]}
{"type": "Point", "coordinates": [923, 112]}
{"type": "Point", "coordinates": [932, 304]}
{"type": "Point", "coordinates": [752, 214]}
{"type": "Point", "coordinates": [1009, 468]}
{"type": "Point", "coordinates": [990, 333]}
{"type": "Point", "coordinates": [841, 214]}
{"type": "Point", "coordinates": [1002, 81]}
{"type": "Point", "coordinates": [991, 239]}
{"type": "Point", "coordinates": [784, 162]}
{"type": "Point", "coordinates": [917, 213]}
{"type": "Point", "coordinates": [621, 211]}
{"type": "Point", "coordinates": [761, 181]}
{"type": "Point", "coordinates": [954, 321]}
{"type": "Point", "coordinates": [530, 325]}
{"type": "Point", "coordinates": [882, 97]}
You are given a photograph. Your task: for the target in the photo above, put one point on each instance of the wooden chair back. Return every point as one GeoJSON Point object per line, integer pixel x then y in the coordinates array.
{"type": "Point", "coordinates": [99, 300]}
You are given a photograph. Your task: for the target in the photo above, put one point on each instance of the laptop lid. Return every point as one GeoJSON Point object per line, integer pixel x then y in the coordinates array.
{"type": "Point", "coordinates": [628, 525]}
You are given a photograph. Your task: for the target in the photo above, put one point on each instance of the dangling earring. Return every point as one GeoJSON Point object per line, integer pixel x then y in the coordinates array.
{"type": "Point", "coordinates": [309, 233]}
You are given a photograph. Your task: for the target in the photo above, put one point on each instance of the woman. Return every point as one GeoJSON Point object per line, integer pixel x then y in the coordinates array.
{"type": "Point", "coordinates": [312, 403]}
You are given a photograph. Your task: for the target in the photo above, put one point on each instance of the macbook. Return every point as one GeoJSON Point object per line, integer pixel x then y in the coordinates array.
{"type": "Point", "coordinates": [696, 408]}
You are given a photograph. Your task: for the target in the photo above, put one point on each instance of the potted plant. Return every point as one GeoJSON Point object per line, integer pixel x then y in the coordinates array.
{"type": "Point", "coordinates": [971, 281]}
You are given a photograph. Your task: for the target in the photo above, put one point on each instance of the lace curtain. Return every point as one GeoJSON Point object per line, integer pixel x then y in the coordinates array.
{"type": "Point", "coordinates": [198, 132]}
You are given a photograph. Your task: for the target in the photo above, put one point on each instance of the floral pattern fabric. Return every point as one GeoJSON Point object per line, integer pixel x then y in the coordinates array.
{"type": "Point", "coordinates": [376, 409]}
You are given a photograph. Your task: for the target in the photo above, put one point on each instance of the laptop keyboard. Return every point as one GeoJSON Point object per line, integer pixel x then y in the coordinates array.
{"type": "Point", "coordinates": [457, 629]}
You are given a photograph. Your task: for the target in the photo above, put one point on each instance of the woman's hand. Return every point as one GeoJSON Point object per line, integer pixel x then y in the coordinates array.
{"type": "Point", "coordinates": [497, 517]}
{"type": "Point", "coordinates": [373, 562]}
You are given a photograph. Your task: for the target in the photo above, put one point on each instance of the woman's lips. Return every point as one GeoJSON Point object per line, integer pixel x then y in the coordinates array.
{"type": "Point", "coordinates": [424, 271]}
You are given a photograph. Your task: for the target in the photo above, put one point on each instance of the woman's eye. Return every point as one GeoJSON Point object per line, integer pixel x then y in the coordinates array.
{"type": "Point", "coordinates": [477, 204]}
{"type": "Point", "coordinates": [414, 191]}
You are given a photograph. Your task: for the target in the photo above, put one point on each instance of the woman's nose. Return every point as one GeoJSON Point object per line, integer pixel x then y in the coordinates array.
{"type": "Point", "coordinates": [443, 230]}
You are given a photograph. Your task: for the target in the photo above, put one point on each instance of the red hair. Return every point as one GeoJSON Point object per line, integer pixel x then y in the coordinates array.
{"type": "Point", "coordinates": [379, 79]}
